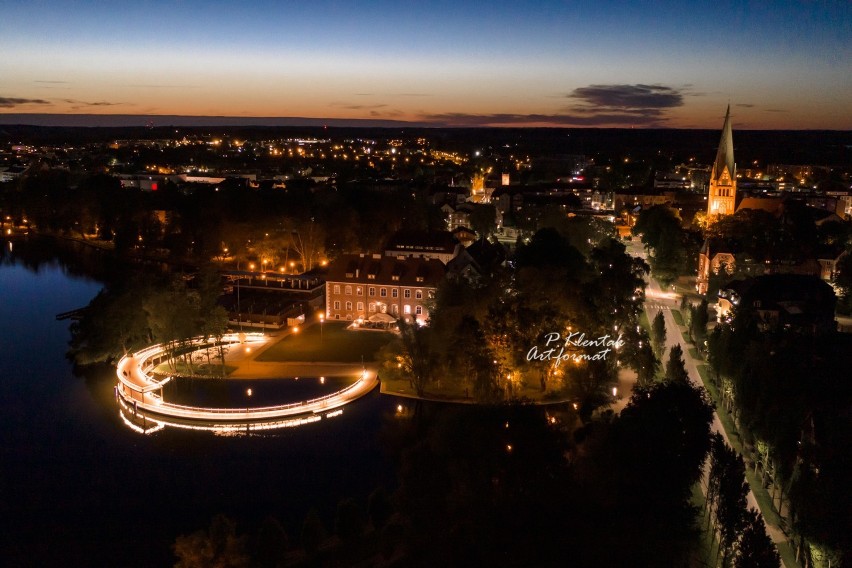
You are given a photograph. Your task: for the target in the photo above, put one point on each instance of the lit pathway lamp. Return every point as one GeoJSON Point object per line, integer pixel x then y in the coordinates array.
{"type": "Point", "coordinates": [322, 321]}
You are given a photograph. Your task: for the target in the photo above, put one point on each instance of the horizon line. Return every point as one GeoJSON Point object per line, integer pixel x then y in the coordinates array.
{"type": "Point", "coordinates": [76, 120]}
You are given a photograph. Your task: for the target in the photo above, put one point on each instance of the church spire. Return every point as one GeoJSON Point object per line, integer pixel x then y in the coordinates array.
{"type": "Point", "coordinates": [722, 196]}
{"type": "Point", "coordinates": [725, 154]}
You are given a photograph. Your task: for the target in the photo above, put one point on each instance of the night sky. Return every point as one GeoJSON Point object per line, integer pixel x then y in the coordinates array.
{"type": "Point", "coordinates": [785, 65]}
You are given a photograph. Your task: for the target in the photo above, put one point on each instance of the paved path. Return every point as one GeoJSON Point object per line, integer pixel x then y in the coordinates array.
{"type": "Point", "coordinates": [675, 337]}
{"type": "Point", "coordinates": [140, 391]}
{"type": "Point", "coordinates": [658, 300]}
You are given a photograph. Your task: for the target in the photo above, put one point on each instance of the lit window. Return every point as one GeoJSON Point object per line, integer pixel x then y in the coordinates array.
{"type": "Point", "coordinates": [359, 291]}
{"type": "Point", "coordinates": [406, 309]}
{"type": "Point", "coordinates": [372, 307]}
{"type": "Point", "coordinates": [337, 288]}
{"type": "Point", "coordinates": [348, 290]}
{"type": "Point", "coordinates": [395, 309]}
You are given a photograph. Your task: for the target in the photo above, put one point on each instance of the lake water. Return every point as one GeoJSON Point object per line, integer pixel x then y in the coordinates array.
{"type": "Point", "coordinates": [79, 488]}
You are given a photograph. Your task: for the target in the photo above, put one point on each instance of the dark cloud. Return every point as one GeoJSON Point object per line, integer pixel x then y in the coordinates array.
{"type": "Point", "coordinates": [11, 102]}
{"type": "Point", "coordinates": [386, 113]}
{"type": "Point", "coordinates": [165, 86]}
{"type": "Point", "coordinates": [603, 119]}
{"type": "Point", "coordinates": [744, 105]}
{"type": "Point", "coordinates": [76, 105]}
{"type": "Point", "coordinates": [357, 106]}
{"type": "Point", "coordinates": [595, 105]}
{"type": "Point", "coordinates": [633, 98]}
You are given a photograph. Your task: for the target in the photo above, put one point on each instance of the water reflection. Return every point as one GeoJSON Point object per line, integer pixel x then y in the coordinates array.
{"type": "Point", "coordinates": [68, 458]}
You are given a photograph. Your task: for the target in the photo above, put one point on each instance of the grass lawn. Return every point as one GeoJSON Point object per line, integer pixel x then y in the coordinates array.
{"type": "Point", "coordinates": [786, 551]}
{"type": "Point", "coordinates": [678, 317]}
{"type": "Point", "coordinates": [643, 321]}
{"type": "Point", "coordinates": [333, 343]}
{"type": "Point", "coordinates": [203, 370]}
{"type": "Point", "coordinates": [706, 546]}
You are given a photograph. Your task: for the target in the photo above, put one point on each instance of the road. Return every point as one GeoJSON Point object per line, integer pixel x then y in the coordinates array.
{"type": "Point", "coordinates": [657, 300]}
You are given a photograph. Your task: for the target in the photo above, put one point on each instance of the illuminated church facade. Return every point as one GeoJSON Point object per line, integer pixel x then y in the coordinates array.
{"type": "Point", "coordinates": [721, 199]}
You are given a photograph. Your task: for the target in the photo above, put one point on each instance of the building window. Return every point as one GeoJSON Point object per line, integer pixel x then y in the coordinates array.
{"type": "Point", "coordinates": [371, 291]}
{"type": "Point", "coordinates": [406, 309]}
{"type": "Point", "coordinates": [383, 292]}
{"type": "Point", "coordinates": [406, 293]}
{"type": "Point", "coordinates": [395, 293]}
{"type": "Point", "coordinates": [418, 294]}
{"type": "Point", "coordinates": [418, 310]}
{"type": "Point", "coordinates": [430, 294]}
{"type": "Point", "coordinates": [337, 288]}
{"type": "Point", "coordinates": [360, 306]}
{"type": "Point", "coordinates": [371, 276]}
{"type": "Point", "coordinates": [372, 307]}
{"type": "Point", "coordinates": [336, 305]}
{"type": "Point", "coordinates": [359, 291]}
{"type": "Point", "coordinates": [348, 306]}
{"type": "Point", "coordinates": [348, 290]}
{"type": "Point", "coordinates": [395, 277]}
{"type": "Point", "coordinates": [395, 309]}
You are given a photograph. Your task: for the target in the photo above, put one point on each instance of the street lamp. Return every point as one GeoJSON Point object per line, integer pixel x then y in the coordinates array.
{"type": "Point", "coordinates": [322, 321]}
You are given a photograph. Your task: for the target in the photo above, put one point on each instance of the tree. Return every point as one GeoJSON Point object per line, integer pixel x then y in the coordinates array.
{"type": "Point", "coordinates": [379, 508]}
{"type": "Point", "coordinates": [219, 546]}
{"type": "Point", "coordinates": [313, 532]}
{"type": "Point", "coordinates": [665, 240]}
{"type": "Point", "coordinates": [843, 280]}
{"type": "Point", "coordinates": [675, 368]}
{"type": "Point", "coordinates": [483, 219]}
{"type": "Point", "coordinates": [658, 333]}
{"type": "Point", "coordinates": [417, 360]}
{"type": "Point", "coordinates": [730, 496]}
{"type": "Point", "coordinates": [271, 545]}
{"type": "Point", "coordinates": [698, 323]}
{"type": "Point", "coordinates": [348, 522]}
{"type": "Point", "coordinates": [755, 549]}
{"type": "Point", "coordinates": [473, 359]}
{"type": "Point", "coordinates": [647, 364]}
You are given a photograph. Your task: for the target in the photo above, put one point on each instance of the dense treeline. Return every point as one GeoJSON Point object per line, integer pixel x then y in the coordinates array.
{"type": "Point", "coordinates": [199, 222]}
{"type": "Point", "coordinates": [499, 332]}
{"type": "Point", "coordinates": [789, 391]}
{"type": "Point", "coordinates": [136, 312]}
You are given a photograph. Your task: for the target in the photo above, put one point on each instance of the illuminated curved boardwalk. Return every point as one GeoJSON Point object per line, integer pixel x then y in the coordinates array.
{"type": "Point", "coordinates": [140, 391]}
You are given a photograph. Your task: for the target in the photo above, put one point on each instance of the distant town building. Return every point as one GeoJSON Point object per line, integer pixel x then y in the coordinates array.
{"type": "Point", "coordinates": [785, 300]}
{"type": "Point", "coordinates": [361, 286]}
{"type": "Point", "coordinates": [438, 245]}
{"type": "Point", "coordinates": [721, 199]}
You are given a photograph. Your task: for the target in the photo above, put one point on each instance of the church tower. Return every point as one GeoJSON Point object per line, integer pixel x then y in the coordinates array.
{"type": "Point", "coordinates": [723, 175]}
